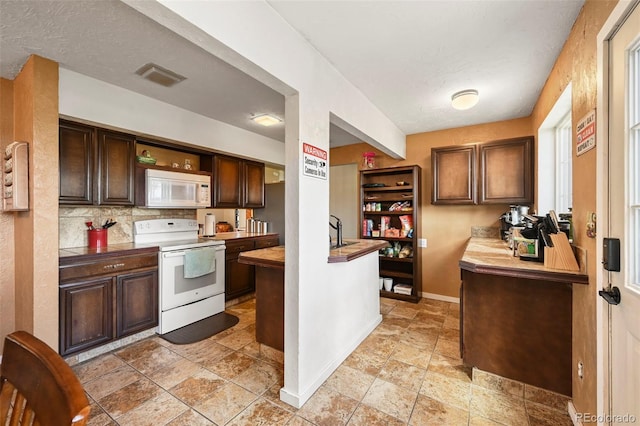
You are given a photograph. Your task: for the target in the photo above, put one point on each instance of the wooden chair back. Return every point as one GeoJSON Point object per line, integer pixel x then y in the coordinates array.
{"type": "Point", "coordinates": [37, 386]}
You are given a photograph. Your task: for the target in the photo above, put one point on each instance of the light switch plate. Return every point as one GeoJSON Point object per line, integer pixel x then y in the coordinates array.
{"type": "Point", "coordinates": [422, 242]}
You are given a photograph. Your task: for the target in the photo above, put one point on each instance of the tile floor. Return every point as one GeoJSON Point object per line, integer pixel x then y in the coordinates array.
{"type": "Point", "coordinates": [408, 371]}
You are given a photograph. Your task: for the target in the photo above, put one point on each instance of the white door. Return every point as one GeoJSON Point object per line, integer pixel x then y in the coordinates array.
{"type": "Point", "coordinates": [624, 214]}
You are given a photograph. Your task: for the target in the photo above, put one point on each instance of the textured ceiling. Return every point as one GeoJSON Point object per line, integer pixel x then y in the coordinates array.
{"type": "Point", "coordinates": [407, 57]}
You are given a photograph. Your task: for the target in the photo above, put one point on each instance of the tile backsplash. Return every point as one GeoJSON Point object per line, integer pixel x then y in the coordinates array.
{"type": "Point", "coordinates": [72, 222]}
{"type": "Point", "coordinates": [73, 229]}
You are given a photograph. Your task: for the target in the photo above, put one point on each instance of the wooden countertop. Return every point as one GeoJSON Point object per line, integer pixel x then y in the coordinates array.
{"type": "Point", "coordinates": [68, 254]}
{"type": "Point", "coordinates": [493, 256]}
{"type": "Point", "coordinates": [273, 257]}
{"type": "Point", "coordinates": [270, 257]}
{"type": "Point", "coordinates": [354, 251]}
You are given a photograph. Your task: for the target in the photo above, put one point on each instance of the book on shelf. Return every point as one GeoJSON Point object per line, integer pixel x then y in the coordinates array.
{"type": "Point", "coordinates": [403, 289]}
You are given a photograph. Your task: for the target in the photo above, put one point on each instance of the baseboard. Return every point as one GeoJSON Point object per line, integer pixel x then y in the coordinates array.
{"type": "Point", "coordinates": [573, 414]}
{"type": "Point", "coordinates": [297, 400]}
{"type": "Point", "coordinates": [441, 297]}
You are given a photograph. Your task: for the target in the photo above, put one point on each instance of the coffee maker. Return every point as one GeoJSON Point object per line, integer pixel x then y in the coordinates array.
{"type": "Point", "coordinates": [513, 218]}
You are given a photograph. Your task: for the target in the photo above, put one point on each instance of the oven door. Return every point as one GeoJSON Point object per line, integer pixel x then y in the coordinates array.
{"type": "Point", "coordinates": [176, 290]}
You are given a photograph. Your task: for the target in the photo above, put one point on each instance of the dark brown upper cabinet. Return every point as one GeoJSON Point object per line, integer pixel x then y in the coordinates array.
{"type": "Point", "coordinates": [76, 153]}
{"type": "Point", "coordinates": [116, 153]}
{"type": "Point", "coordinates": [506, 171]}
{"type": "Point", "coordinates": [96, 165]}
{"type": "Point", "coordinates": [454, 175]}
{"type": "Point", "coordinates": [238, 183]}
{"type": "Point", "coordinates": [253, 184]}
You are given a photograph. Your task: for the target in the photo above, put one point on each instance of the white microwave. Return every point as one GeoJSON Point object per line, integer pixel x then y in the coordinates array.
{"type": "Point", "coordinates": [165, 189]}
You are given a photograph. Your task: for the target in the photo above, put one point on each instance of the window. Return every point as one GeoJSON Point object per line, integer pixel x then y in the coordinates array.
{"type": "Point", "coordinates": [555, 158]}
{"type": "Point", "coordinates": [563, 143]}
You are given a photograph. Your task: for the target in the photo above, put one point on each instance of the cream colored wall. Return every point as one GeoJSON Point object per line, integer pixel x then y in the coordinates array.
{"type": "Point", "coordinates": [35, 112]}
{"type": "Point", "coordinates": [446, 228]}
{"type": "Point", "coordinates": [7, 251]}
{"type": "Point", "coordinates": [577, 63]}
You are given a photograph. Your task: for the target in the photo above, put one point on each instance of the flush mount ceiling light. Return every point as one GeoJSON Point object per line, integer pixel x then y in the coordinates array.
{"type": "Point", "coordinates": [159, 75]}
{"type": "Point", "coordinates": [266, 119]}
{"type": "Point", "coordinates": [464, 99]}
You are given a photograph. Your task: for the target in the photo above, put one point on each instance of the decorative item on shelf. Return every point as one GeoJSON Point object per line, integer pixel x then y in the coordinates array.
{"type": "Point", "coordinates": [402, 183]}
{"type": "Point", "coordinates": [368, 160]}
{"type": "Point", "coordinates": [187, 164]}
{"type": "Point", "coordinates": [175, 165]}
{"type": "Point", "coordinates": [392, 233]}
{"type": "Point", "coordinates": [145, 158]}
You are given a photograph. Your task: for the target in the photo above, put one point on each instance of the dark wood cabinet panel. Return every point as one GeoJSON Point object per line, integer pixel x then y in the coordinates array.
{"type": "Point", "coordinates": [96, 165]}
{"type": "Point", "coordinates": [454, 175]}
{"type": "Point", "coordinates": [106, 297]}
{"type": "Point", "coordinates": [518, 328]}
{"type": "Point", "coordinates": [116, 152]}
{"type": "Point", "coordinates": [76, 156]}
{"type": "Point", "coordinates": [227, 181]}
{"type": "Point", "coordinates": [506, 171]}
{"type": "Point", "coordinates": [240, 277]}
{"type": "Point", "coordinates": [86, 315]}
{"type": "Point", "coordinates": [137, 304]}
{"type": "Point", "coordinates": [253, 185]}
{"type": "Point", "coordinates": [237, 183]}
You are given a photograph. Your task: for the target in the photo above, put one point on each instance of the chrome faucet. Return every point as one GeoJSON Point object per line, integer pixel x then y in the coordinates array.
{"type": "Point", "coordinates": [338, 228]}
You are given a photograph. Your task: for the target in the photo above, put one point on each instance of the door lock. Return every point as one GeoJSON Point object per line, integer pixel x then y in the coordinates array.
{"type": "Point", "coordinates": [611, 295]}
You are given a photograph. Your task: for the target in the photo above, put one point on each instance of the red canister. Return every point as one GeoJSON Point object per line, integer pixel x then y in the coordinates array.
{"type": "Point", "coordinates": [97, 238]}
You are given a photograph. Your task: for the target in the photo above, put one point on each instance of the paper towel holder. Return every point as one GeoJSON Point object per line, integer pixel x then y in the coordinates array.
{"type": "Point", "coordinates": [209, 225]}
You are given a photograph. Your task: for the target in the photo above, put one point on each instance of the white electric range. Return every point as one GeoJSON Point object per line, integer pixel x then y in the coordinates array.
{"type": "Point", "coordinates": [183, 300]}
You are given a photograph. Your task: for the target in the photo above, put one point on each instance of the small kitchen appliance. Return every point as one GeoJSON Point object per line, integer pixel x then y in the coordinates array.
{"type": "Point", "coordinates": [191, 271]}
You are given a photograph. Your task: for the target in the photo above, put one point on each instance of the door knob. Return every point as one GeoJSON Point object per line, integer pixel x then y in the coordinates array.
{"type": "Point", "coordinates": [612, 295]}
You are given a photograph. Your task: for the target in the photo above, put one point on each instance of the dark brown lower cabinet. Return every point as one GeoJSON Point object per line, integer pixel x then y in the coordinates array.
{"type": "Point", "coordinates": [137, 307]}
{"type": "Point", "coordinates": [240, 277]}
{"type": "Point", "coordinates": [517, 328]}
{"type": "Point", "coordinates": [104, 298]}
{"type": "Point", "coordinates": [86, 318]}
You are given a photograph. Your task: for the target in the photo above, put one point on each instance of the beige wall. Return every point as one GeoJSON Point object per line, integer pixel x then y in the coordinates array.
{"type": "Point", "coordinates": [446, 228]}
{"type": "Point", "coordinates": [577, 63]}
{"type": "Point", "coordinates": [7, 257]}
{"type": "Point", "coordinates": [35, 251]}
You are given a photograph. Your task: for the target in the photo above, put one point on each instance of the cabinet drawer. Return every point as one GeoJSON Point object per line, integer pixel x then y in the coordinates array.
{"type": "Point", "coordinates": [236, 246]}
{"type": "Point", "coordinates": [111, 266]}
{"type": "Point", "coordinates": [266, 242]}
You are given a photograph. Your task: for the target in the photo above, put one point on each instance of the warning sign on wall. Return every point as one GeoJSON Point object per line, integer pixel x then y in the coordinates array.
{"type": "Point", "coordinates": [315, 161]}
{"type": "Point", "coordinates": [586, 133]}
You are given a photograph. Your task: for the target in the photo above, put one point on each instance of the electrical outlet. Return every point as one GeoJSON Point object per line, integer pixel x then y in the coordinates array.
{"type": "Point", "coordinates": [580, 369]}
{"type": "Point", "coordinates": [422, 242]}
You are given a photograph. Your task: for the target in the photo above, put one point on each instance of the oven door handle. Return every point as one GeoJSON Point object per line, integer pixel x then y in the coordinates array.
{"type": "Point", "coordinates": [173, 254]}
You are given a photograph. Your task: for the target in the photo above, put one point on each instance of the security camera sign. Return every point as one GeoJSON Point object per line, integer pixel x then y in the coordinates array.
{"type": "Point", "coordinates": [586, 133]}
{"type": "Point", "coordinates": [315, 161]}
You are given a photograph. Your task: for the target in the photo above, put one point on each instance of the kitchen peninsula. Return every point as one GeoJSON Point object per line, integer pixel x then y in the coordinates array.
{"type": "Point", "coordinates": [269, 263]}
{"type": "Point", "coordinates": [515, 316]}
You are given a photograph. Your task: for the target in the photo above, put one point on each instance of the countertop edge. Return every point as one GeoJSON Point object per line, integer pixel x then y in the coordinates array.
{"type": "Point", "coordinates": [262, 263]}
{"type": "Point", "coordinates": [353, 251]}
{"type": "Point", "coordinates": [69, 256]}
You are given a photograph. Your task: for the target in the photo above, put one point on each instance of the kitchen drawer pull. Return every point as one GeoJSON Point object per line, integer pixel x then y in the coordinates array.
{"type": "Point", "coordinates": [113, 266]}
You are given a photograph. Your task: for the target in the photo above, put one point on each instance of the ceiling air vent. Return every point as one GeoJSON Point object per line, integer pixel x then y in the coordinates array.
{"type": "Point", "coordinates": [159, 75]}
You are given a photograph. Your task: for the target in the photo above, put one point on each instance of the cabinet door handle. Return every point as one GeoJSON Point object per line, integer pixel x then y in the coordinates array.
{"type": "Point", "coordinates": [113, 266]}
